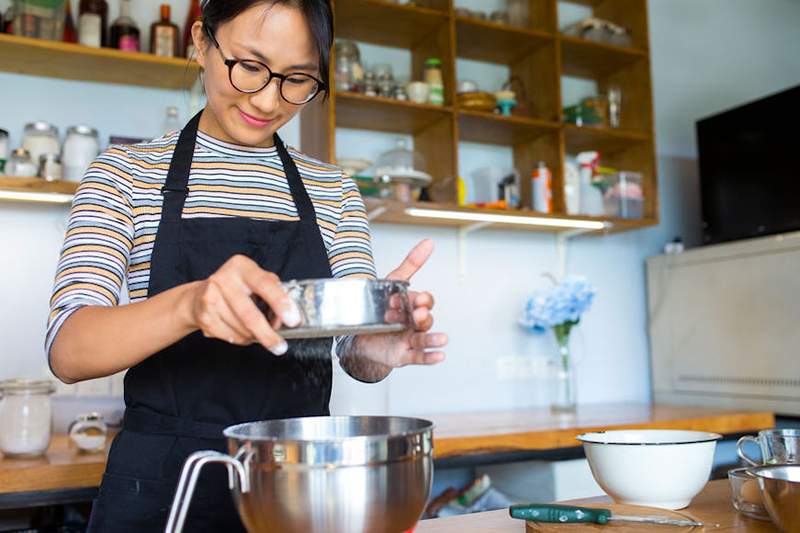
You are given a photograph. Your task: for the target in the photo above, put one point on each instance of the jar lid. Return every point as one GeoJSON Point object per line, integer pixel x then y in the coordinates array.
{"type": "Point", "coordinates": [433, 62]}
{"type": "Point", "coordinates": [89, 417]}
{"type": "Point", "coordinates": [27, 386]}
{"type": "Point", "coordinates": [42, 127]}
{"type": "Point", "coordinates": [82, 129]}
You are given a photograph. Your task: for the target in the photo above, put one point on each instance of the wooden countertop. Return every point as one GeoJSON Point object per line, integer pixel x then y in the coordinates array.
{"type": "Point", "coordinates": [64, 467]}
{"type": "Point", "coordinates": [539, 429]}
{"type": "Point", "coordinates": [713, 505]}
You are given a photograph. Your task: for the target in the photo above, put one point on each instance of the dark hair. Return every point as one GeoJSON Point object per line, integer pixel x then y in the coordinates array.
{"type": "Point", "coordinates": [318, 14]}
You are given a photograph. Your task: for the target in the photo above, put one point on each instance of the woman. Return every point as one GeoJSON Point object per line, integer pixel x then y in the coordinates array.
{"type": "Point", "coordinates": [198, 223]}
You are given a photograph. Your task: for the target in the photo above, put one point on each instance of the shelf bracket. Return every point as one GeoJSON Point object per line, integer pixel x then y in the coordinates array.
{"type": "Point", "coordinates": [463, 232]}
{"type": "Point", "coordinates": [561, 248]}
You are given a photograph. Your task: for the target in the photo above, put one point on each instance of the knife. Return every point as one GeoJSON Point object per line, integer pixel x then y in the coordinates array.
{"type": "Point", "coordinates": [570, 514]}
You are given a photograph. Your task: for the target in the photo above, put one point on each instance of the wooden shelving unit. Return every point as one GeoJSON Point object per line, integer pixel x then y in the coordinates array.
{"type": "Point", "coordinates": [539, 55]}
{"type": "Point", "coordinates": [37, 57]}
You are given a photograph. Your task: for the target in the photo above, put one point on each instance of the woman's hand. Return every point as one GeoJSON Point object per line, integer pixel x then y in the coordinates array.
{"type": "Point", "coordinates": [222, 305]}
{"type": "Point", "coordinates": [416, 345]}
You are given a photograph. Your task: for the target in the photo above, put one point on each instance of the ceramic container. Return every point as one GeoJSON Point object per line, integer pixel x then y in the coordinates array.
{"type": "Point", "coordinates": [656, 468]}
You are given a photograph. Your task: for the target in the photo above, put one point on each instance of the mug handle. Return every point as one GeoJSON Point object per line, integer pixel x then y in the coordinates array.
{"type": "Point", "coordinates": [740, 449]}
{"type": "Point", "coordinates": [188, 480]}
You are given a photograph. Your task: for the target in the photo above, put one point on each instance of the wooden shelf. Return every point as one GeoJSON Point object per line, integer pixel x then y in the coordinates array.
{"type": "Point", "coordinates": [379, 22]}
{"type": "Point", "coordinates": [489, 128]}
{"type": "Point", "coordinates": [588, 59]}
{"type": "Point", "coordinates": [393, 212]}
{"type": "Point", "coordinates": [36, 190]}
{"type": "Point", "coordinates": [38, 57]}
{"type": "Point", "coordinates": [496, 43]}
{"type": "Point", "coordinates": [354, 110]}
{"type": "Point", "coordinates": [581, 138]}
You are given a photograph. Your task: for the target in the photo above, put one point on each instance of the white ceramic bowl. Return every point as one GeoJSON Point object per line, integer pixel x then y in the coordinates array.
{"type": "Point", "coordinates": [652, 467]}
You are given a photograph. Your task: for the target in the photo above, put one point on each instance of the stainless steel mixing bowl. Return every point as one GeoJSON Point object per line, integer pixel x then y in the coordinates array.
{"type": "Point", "coordinates": [321, 474]}
{"type": "Point", "coordinates": [780, 492]}
{"type": "Point", "coordinates": [331, 307]}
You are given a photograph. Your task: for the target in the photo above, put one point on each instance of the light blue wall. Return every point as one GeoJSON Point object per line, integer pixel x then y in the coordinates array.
{"type": "Point", "coordinates": [706, 55]}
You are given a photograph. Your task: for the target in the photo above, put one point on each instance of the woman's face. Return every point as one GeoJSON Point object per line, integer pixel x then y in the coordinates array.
{"type": "Point", "coordinates": [276, 35]}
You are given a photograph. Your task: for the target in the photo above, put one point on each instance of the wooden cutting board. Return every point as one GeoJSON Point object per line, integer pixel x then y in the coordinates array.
{"type": "Point", "coordinates": [617, 527]}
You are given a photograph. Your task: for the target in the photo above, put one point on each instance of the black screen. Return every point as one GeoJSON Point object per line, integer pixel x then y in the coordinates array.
{"type": "Point", "coordinates": [750, 169]}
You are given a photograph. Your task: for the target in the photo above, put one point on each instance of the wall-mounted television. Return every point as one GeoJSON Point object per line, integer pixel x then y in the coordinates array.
{"type": "Point", "coordinates": [750, 169]}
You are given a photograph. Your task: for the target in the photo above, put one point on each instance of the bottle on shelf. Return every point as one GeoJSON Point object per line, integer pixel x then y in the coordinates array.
{"type": "Point", "coordinates": [124, 31]}
{"type": "Point", "coordinates": [195, 14]}
{"type": "Point", "coordinates": [70, 31]}
{"type": "Point", "coordinates": [433, 77]}
{"type": "Point", "coordinates": [164, 35]}
{"type": "Point", "coordinates": [542, 189]}
{"type": "Point", "coordinates": [93, 23]}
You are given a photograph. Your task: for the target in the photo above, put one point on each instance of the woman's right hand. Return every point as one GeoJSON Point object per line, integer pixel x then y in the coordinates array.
{"type": "Point", "coordinates": [222, 306]}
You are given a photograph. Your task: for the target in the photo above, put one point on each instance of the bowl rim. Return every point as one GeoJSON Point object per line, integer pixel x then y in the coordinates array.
{"type": "Point", "coordinates": [427, 426]}
{"type": "Point", "coordinates": [762, 470]}
{"type": "Point", "coordinates": [587, 439]}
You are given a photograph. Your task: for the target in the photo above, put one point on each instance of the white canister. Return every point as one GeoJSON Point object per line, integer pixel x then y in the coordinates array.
{"type": "Point", "coordinates": [40, 139]}
{"type": "Point", "coordinates": [81, 147]}
{"type": "Point", "coordinates": [25, 417]}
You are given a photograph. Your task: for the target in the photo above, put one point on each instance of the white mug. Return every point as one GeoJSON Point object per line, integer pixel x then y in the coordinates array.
{"type": "Point", "coordinates": [418, 91]}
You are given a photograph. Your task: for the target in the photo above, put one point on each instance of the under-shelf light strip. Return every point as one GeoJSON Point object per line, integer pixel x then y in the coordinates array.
{"type": "Point", "coordinates": [45, 197]}
{"type": "Point", "coordinates": [497, 218]}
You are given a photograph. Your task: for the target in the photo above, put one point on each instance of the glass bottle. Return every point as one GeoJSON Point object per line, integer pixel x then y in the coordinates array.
{"type": "Point", "coordinates": [124, 31]}
{"type": "Point", "coordinates": [92, 23]}
{"type": "Point", "coordinates": [195, 14]}
{"type": "Point", "coordinates": [70, 32]}
{"type": "Point", "coordinates": [164, 35]}
{"type": "Point", "coordinates": [433, 77]}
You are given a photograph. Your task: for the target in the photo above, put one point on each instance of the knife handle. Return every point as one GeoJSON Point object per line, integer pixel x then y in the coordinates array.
{"type": "Point", "coordinates": [559, 514]}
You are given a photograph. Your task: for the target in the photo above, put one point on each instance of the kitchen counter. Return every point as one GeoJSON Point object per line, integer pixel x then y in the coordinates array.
{"type": "Point", "coordinates": [65, 474]}
{"type": "Point", "coordinates": [713, 505]}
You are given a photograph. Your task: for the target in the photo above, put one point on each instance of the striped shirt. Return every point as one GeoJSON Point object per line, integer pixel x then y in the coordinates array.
{"type": "Point", "coordinates": [117, 208]}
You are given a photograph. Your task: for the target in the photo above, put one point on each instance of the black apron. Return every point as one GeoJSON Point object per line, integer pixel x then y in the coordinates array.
{"type": "Point", "coordinates": [179, 400]}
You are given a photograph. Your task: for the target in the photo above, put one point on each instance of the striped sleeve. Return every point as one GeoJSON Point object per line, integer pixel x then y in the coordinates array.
{"type": "Point", "coordinates": [94, 257]}
{"type": "Point", "coordinates": [350, 252]}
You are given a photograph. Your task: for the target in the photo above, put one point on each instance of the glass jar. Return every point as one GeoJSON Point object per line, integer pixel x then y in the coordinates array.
{"type": "Point", "coordinates": [349, 72]}
{"type": "Point", "coordinates": [80, 148]}
{"type": "Point", "coordinates": [25, 416]}
{"type": "Point", "coordinates": [40, 139]}
{"type": "Point", "coordinates": [39, 19]}
{"type": "Point", "coordinates": [20, 164]}
{"type": "Point", "coordinates": [433, 77]}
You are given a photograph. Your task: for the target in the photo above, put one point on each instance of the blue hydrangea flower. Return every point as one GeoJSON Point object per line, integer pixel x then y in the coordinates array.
{"type": "Point", "coordinates": [558, 305]}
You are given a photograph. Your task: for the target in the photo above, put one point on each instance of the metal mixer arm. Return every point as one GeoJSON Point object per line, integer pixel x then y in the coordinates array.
{"type": "Point", "coordinates": [188, 480]}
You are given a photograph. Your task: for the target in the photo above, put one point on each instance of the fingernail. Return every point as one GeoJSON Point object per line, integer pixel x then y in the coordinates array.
{"type": "Point", "coordinates": [291, 317]}
{"type": "Point", "coordinates": [280, 349]}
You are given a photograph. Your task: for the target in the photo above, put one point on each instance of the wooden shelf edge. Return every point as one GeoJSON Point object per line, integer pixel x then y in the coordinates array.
{"type": "Point", "coordinates": [630, 51]}
{"type": "Point", "coordinates": [408, 104]}
{"type": "Point", "coordinates": [407, 7]}
{"type": "Point", "coordinates": [607, 133]}
{"type": "Point", "coordinates": [36, 190]}
{"type": "Point", "coordinates": [527, 32]}
{"type": "Point", "coordinates": [513, 119]}
{"type": "Point", "coordinates": [394, 212]}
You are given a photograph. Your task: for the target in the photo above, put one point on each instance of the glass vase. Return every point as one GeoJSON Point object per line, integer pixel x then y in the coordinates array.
{"type": "Point", "coordinates": [563, 392]}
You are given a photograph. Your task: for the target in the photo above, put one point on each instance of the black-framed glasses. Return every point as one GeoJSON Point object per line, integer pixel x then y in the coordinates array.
{"type": "Point", "coordinates": [250, 76]}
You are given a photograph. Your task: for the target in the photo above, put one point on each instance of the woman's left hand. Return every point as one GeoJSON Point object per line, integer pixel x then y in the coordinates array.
{"type": "Point", "coordinates": [416, 345]}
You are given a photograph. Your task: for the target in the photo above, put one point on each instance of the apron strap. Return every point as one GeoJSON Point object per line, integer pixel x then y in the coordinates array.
{"type": "Point", "coordinates": [176, 187]}
{"type": "Point", "coordinates": [305, 209]}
